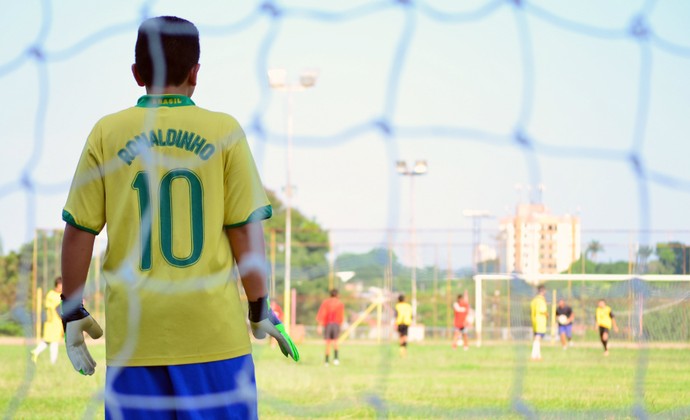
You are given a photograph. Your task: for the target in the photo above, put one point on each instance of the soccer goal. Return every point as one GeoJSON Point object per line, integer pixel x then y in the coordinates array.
{"type": "Point", "coordinates": [648, 308]}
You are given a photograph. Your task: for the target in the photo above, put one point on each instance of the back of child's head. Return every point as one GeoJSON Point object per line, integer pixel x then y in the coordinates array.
{"type": "Point", "coordinates": [166, 50]}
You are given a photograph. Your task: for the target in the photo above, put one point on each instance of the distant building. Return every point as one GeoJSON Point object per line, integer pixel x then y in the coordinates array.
{"type": "Point", "coordinates": [537, 242]}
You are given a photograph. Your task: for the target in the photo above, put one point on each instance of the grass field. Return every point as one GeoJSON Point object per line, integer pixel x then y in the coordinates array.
{"type": "Point", "coordinates": [374, 381]}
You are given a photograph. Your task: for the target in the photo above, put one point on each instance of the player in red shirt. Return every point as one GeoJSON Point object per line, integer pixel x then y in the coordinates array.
{"type": "Point", "coordinates": [277, 310]}
{"type": "Point", "coordinates": [461, 308]}
{"type": "Point", "coordinates": [329, 318]}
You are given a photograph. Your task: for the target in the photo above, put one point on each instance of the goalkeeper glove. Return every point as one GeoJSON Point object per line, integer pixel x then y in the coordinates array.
{"type": "Point", "coordinates": [264, 321]}
{"type": "Point", "coordinates": [75, 321]}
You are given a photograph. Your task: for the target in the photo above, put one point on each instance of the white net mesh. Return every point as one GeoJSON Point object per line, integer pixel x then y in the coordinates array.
{"type": "Point", "coordinates": [505, 119]}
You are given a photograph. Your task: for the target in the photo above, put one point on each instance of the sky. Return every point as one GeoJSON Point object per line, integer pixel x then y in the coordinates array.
{"type": "Point", "coordinates": [589, 99]}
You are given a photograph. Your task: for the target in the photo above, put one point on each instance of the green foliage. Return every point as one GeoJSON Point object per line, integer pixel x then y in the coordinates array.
{"type": "Point", "coordinates": [674, 258]}
{"type": "Point", "coordinates": [592, 267]}
{"type": "Point", "coordinates": [594, 248]}
{"type": "Point", "coordinates": [9, 278]}
{"type": "Point", "coordinates": [371, 266]}
{"type": "Point", "coordinates": [9, 327]}
{"type": "Point", "coordinates": [309, 244]}
{"type": "Point", "coordinates": [49, 252]}
{"type": "Point", "coordinates": [309, 266]}
{"type": "Point", "coordinates": [16, 267]}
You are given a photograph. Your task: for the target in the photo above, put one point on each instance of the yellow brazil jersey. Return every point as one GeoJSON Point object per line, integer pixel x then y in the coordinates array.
{"type": "Point", "coordinates": [52, 328]}
{"type": "Point", "coordinates": [603, 316]}
{"type": "Point", "coordinates": [167, 178]}
{"type": "Point", "coordinates": [404, 313]}
{"type": "Point", "coordinates": [539, 314]}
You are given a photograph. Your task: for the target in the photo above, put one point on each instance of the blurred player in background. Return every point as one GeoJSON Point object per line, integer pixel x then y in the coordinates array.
{"type": "Point", "coordinates": [277, 310]}
{"type": "Point", "coordinates": [565, 317]}
{"type": "Point", "coordinates": [329, 318]}
{"type": "Point", "coordinates": [540, 313]}
{"type": "Point", "coordinates": [52, 327]}
{"type": "Point", "coordinates": [177, 187]}
{"type": "Point", "coordinates": [605, 320]}
{"type": "Point", "coordinates": [461, 308]}
{"type": "Point", "coordinates": [403, 320]}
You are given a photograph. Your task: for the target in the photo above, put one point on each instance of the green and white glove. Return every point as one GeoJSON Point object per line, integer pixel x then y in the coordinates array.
{"type": "Point", "coordinates": [75, 321]}
{"type": "Point", "coordinates": [264, 321]}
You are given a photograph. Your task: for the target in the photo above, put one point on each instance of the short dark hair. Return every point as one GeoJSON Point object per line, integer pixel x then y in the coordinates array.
{"type": "Point", "coordinates": [58, 280]}
{"type": "Point", "coordinates": [334, 292]}
{"type": "Point", "coordinates": [541, 288]}
{"type": "Point", "coordinates": [460, 296]}
{"type": "Point", "coordinates": [166, 50]}
{"type": "Point", "coordinates": [401, 298]}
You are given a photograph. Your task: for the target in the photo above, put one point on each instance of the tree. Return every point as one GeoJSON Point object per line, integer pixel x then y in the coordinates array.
{"type": "Point", "coordinates": [309, 265]}
{"type": "Point", "coordinates": [592, 267]}
{"type": "Point", "coordinates": [643, 254]}
{"type": "Point", "coordinates": [309, 244]}
{"type": "Point", "coordinates": [673, 257]}
{"type": "Point", "coordinates": [593, 249]}
{"type": "Point", "coordinates": [370, 266]}
{"type": "Point", "coordinates": [9, 278]}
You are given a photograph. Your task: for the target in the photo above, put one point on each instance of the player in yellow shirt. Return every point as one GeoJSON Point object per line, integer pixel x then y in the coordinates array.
{"type": "Point", "coordinates": [605, 320]}
{"type": "Point", "coordinates": [540, 313]}
{"type": "Point", "coordinates": [178, 191]}
{"type": "Point", "coordinates": [403, 320]}
{"type": "Point", "coordinates": [52, 327]}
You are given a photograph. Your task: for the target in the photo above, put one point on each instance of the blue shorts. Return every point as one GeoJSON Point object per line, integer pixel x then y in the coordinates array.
{"type": "Point", "coordinates": [225, 389]}
{"type": "Point", "coordinates": [541, 335]}
{"type": "Point", "coordinates": [566, 329]}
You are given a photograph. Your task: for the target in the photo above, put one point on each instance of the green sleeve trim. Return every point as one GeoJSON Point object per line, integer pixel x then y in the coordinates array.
{"type": "Point", "coordinates": [69, 219]}
{"type": "Point", "coordinates": [262, 213]}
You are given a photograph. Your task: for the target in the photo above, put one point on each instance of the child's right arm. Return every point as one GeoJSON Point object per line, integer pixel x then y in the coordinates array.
{"type": "Point", "coordinates": [77, 248]}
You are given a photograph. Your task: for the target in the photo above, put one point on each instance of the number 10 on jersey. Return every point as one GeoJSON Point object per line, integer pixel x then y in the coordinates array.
{"type": "Point", "coordinates": [166, 202]}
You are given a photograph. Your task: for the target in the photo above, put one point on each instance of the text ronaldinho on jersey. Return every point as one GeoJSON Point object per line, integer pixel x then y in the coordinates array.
{"type": "Point", "coordinates": [173, 138]}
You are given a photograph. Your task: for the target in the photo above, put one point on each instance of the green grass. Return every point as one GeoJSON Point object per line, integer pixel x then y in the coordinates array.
{"type": "Point", "coordinates": [374, 381]}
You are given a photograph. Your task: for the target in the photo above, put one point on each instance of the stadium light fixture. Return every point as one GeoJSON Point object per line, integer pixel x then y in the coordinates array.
{"type": "Point", "coordinates": [278, 80]}
{"type": "Point", "coordinates": [420, 167]}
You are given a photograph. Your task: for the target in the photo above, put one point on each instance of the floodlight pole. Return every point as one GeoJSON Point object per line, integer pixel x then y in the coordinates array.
{"type": "Point", "coordinates": [287, 293]}
{"type": "Point", "coordinates": [420, 168]}
{"type": "Point", "coordinates": [476, 216]}
{"type": "Point", "coordinates": [277, 80]}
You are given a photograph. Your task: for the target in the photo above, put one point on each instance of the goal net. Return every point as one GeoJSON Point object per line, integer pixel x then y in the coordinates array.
{"type": "Point", "coordinates": [648, 308]}
{"type": "Point", "coordinates": [475, 96]}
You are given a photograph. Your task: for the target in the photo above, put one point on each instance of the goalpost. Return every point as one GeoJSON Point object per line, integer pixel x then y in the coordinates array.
{"type": "Point", "coordinates": [649, 307]}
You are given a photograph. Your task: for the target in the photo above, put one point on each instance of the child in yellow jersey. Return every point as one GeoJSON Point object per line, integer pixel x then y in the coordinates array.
{"type": "Point", "coordinates": [605, 320]}
{"type": "Point", "coordinates": [52, 327]}
{"type": "Point", "coordinates": [539, 314]}
{"type": "Point", "coordinates": [178, 190]}
{"type": "Point", "coordinates": [403, 320]}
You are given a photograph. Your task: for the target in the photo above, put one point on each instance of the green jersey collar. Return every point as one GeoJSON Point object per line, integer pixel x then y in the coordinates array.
{"type": "Point", "coordinates": [155, 101]}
